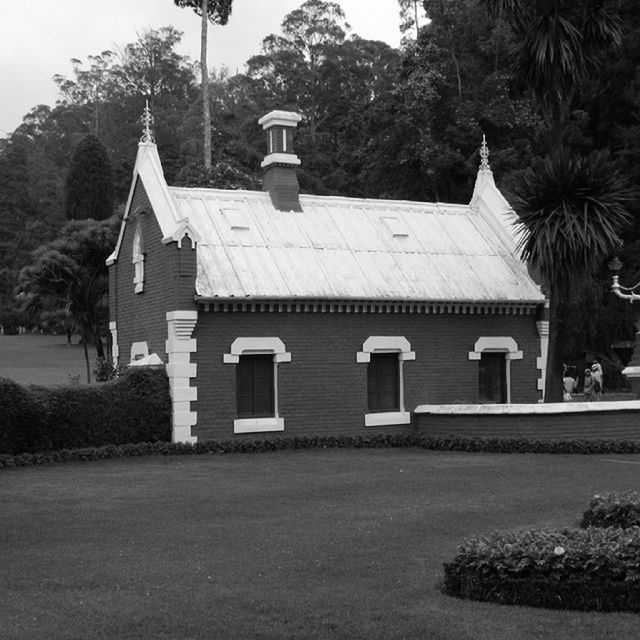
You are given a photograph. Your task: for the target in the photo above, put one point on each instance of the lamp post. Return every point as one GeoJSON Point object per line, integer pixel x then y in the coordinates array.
{"type": "Point", "coordinates": [632, 370]}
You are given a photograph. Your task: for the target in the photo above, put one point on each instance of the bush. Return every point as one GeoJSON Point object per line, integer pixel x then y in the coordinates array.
{"type": "Point", "coordinates": [586, 569]}
{"type": "Point", "coordinates": [613, 510]}
{"type": "Point", "coordinates": [134, 408]}
{"type": "Point", "coordinates": [104, 370]}
{"type": "Point", "coordinates": [21, 418]}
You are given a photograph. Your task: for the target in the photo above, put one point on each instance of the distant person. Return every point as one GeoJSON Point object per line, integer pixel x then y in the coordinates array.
{"type": "Point", "coordinates": [588, 390]}
{"type": "Point", "coordinates": [569, 385]}
{"type": "Point", "coordinates": [598, 380]}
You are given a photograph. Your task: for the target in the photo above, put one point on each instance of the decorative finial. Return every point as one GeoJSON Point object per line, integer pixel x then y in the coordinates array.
{"type": "Point", "coordinates": [484, 155]}
{"type": "Point", "coordinates": [147, 121]}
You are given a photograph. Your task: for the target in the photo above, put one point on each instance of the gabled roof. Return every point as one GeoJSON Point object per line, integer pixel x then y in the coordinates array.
{"type": "Point", "coordinates": [350, 248]}
{"type": "Point", "coordinates": [340, 248]}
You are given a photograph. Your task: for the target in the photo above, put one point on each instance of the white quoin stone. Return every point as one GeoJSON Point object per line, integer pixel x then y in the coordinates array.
{"type": "Point", "coordinates": [179, 347]}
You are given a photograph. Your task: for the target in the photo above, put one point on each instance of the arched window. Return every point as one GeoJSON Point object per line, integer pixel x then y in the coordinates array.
{"type": "Point", "coordinates": [138, 260]}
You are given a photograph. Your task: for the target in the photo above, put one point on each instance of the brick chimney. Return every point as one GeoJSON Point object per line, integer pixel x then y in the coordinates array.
{"type": "Point", "coordinates": [280, 163]}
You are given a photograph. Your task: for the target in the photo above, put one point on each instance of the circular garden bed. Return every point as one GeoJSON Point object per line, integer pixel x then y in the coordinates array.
{"type": "Point", "coordinates": [596, 568]}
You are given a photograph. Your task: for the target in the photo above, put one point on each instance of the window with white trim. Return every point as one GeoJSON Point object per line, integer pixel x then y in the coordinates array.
{"type": "Point", "coordinates": [257, 360]}
{"type": "Point", "coordinates": [138, 260]}
{"type": "Point", "coordinates": [385, 357]}
{"type": "Point", "coordinates": [494, 355]}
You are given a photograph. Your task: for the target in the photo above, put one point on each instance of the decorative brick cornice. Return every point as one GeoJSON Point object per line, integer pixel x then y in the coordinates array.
{"type": "Point", "coordinates": [356, 306]}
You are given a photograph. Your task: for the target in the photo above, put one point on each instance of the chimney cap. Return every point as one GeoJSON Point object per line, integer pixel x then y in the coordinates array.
{"type": "Point", "coordinates": [281, 118]}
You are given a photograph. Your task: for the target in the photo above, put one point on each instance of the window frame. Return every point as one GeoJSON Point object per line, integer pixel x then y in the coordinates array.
{"type": "Point", "coordinates": [137, 259]}
{"type": "Point", "coordinates": [245, 346]}
{"type": "Point", "coordinates": [498, 344]}
{"type": "Point", "coordinates": [380, 345]}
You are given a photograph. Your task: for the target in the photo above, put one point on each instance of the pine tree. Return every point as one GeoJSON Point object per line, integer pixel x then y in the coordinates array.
{"type": "Point", "coordinates": [89, 183]}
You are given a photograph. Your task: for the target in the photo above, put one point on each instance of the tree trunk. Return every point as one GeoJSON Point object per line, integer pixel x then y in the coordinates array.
{"type": "Point", "coordinates": [86, 358]}
{"type": "Point", "coordinates": [553, 377]}
{"type": "Point", "coordinates": [206, 117]}
{"type": "Point", "coordinates": [99, 346]}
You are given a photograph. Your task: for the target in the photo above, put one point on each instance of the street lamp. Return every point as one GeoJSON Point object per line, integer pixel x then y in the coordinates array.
{"type": "Point", "coordinates": [632, 371]}
{"type": "Point", "coordinates": [626, 293]}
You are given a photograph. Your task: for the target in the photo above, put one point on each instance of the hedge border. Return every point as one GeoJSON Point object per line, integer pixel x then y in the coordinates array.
{"type": "Point", "coordinates": [242, 445]}
{"type": "Point", "coordinates": [575, 594]}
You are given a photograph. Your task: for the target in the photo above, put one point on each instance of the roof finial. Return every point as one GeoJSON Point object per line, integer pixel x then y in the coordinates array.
{"type": "Point", "coordinates": [484, 155]}
{"type": "Point", "coordinates": [147, 121]}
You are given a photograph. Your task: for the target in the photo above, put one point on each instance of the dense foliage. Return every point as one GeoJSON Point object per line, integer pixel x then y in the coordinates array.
{"type": "Point", "coordinates": [378, 122]}
{"type": "Point", "coordinates": [134, 408]}
{"type": "Point", "coordinates": [89, 183]}
{"type": "Point", "coordinates": [69, 277]}
{"type": "Point", "coordinates": [588, 569]}
{"type": "Point", "coordinates": [613, 510]}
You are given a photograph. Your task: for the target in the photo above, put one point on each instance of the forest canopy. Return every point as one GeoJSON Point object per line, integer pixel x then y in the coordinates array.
{"type": "Point", "coordinates": [378, 122]}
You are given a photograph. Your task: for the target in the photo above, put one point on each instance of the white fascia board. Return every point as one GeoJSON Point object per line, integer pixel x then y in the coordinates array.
{"type": "Point", "coordinates": [148, 169]}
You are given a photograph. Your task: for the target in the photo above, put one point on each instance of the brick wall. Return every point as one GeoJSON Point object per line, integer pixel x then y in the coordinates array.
{"type": "Point", "coordinates": [615, 425]}
{"type": "Point", "coordinates": [169, 282]}
{"type": "Point", "coordinates": [323, 389]}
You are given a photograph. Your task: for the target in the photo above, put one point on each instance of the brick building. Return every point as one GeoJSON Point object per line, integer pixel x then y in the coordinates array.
{"type": "Point", "coordinates": [283, 313]}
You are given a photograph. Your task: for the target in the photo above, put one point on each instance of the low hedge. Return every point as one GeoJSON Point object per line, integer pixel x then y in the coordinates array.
{"type": "Point", "coordinates": [613, 510]}
{"type": "Point", "coordinates": [278, 443]}
{"type": "Point", "coordinates": [590, 569]}
{"type": "Point", "coordinates": [134, 408]}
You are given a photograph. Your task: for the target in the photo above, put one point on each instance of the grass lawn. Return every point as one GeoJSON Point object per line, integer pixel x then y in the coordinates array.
{"type": "Point", "coordinates": [42, 359]}
{"type": "Point", "coordinates": [295, 544]}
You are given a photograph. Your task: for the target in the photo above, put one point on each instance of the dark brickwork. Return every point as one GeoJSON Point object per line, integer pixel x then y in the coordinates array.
{"type": "Point", "coordinates": [169, 282]}
{"type": "Point", "coordinates": [598, 425]}
{"type": "Point", "coordinates": [323, 389]}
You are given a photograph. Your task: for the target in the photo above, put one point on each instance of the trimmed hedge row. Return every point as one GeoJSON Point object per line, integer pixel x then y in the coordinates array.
{"type": "Point", "coordinates": [590, 569]}
{"type": "Point", "coordinates": [245, 445]}
{"type": "Point", "coordinates": [134, 408]}
{"type": "Point", "coordinates": [613, 510]}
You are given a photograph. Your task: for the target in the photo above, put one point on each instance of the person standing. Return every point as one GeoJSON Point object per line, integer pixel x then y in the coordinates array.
{"type": "Point", "coordinates": [588, 390]}
{"type": "Point", "coordinates": [569, 384]}
{"type": "Point", "coordinates": [598, 380]}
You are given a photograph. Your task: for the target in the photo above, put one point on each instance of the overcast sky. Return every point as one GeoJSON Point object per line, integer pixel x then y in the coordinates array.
{"type": "Point", "coordinates": [38, 39]}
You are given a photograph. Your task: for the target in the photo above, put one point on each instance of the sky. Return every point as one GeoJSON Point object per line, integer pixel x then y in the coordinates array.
{"type": "Point", "coordinates": [38, 39]}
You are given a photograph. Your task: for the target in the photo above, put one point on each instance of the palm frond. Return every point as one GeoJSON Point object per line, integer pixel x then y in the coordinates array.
{"type": "Point", "coordinates": [572, 211]}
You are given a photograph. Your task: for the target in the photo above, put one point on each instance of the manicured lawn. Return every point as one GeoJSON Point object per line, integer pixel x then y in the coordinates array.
{"type": "Point", "coordinates": [44, 360]}
{"type": "Point", "coordinates": [297, 544]}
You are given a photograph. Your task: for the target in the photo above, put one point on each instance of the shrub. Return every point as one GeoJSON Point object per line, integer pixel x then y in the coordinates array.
{"type": "Point", "coordinates": [134, 408]}
{"type": "Point", "coordinates": [21, 417]}
{"type": "Point", "coordinates": [104, 370]}
{"type": "Point", "coordinates": [586, 569]}
{"type": "Point", "coordinates": [613, 510]}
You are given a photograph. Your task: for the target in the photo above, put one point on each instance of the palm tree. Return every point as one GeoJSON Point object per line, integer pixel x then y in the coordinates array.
{"type": "Point", "coordinates": [557, 45]}
{"type": "Point", "coordinates": [216, 12]}
{"type": "Point", "coordinates": [572, 212]}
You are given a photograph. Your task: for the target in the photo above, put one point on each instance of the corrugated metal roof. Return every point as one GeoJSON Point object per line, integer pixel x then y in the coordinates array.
{"type": "Point", "coordinates": [349, 248]}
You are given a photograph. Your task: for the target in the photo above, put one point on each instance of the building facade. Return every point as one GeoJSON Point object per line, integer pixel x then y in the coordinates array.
{"type": "Point", "coordinates": [281, 313]}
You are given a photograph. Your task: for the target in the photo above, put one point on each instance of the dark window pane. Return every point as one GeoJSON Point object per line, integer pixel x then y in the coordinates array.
{"type": "Point", "coordinates": [254, 386]}
{"type": "Point", "coordinates": [383, 382]}
{"type": "Point", "coordinates": [493, 378]}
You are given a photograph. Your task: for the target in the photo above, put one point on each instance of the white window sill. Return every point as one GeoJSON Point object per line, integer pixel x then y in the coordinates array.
{"type": "Point", "coordinates": [388, 417]}
{"type": "Point", "coordinates": [257, 425]}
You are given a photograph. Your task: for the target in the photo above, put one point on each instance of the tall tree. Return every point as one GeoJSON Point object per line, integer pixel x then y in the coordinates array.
{"type": "Point", "coordinates": [409, 16]}
{"type": "Point", "coordinates": [70, 274]}
{"type": "Point", "coordinates": [216, 12]}
{"type": "Point", "coordinates": [557, 47]}
{"type": "Point", "coordinates": [572, 213]}
{"type": "Point", "coordinates": [89, 184]}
